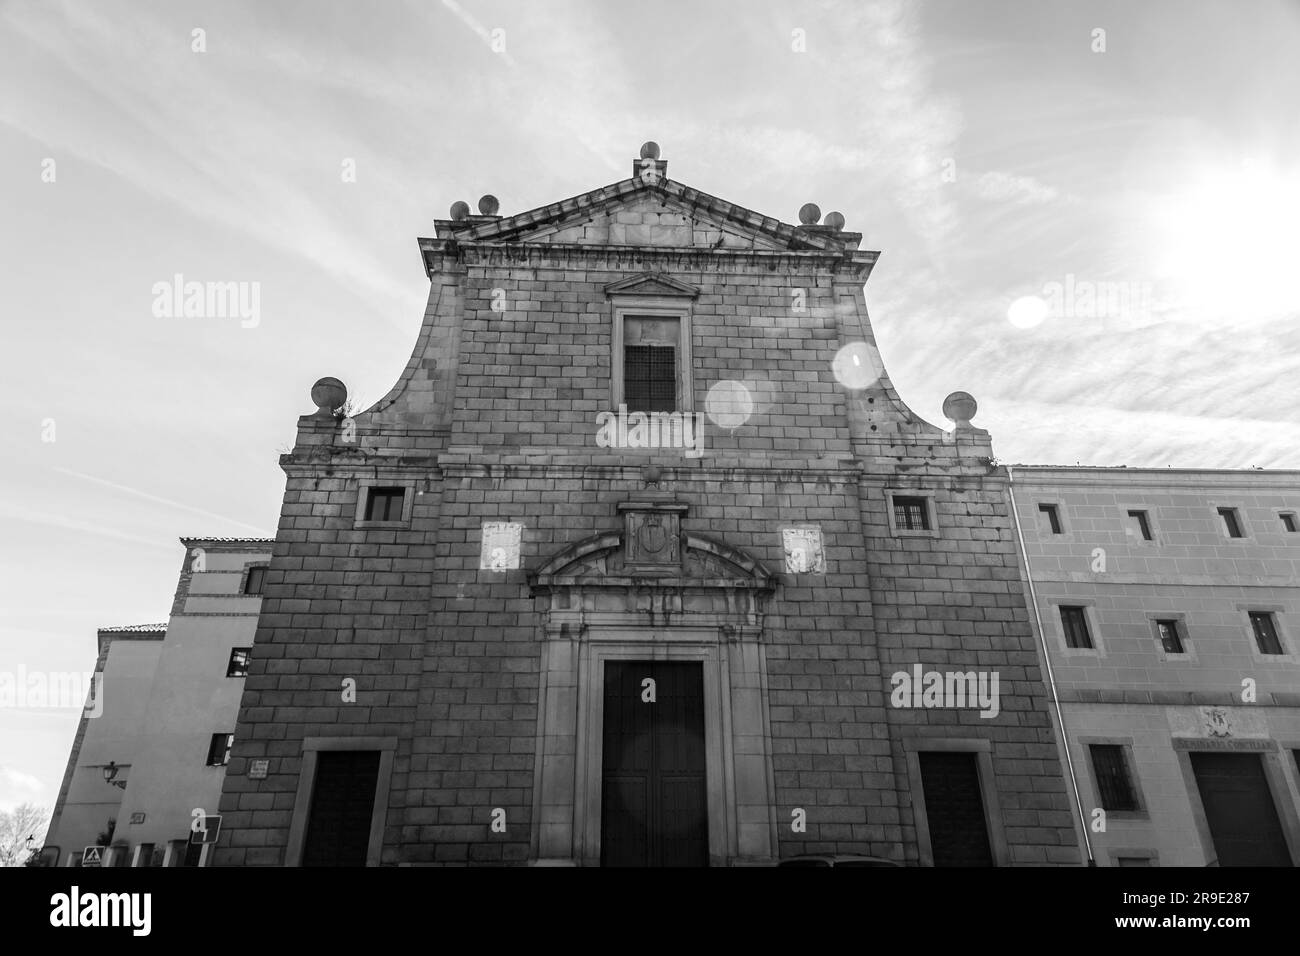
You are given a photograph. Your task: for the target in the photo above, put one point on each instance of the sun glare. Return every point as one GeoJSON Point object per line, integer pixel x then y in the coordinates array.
{"type": "Point", "coordinates": [1229, 243]}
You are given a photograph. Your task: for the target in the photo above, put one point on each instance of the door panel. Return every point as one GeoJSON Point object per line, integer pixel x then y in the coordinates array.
{"type": "Point", "coordinates": [343, 798]}
{"type": "Point", "coordinates": [954, 809]}
{"type": "Point", "coordinates": [654, 792]}
{"type": "Point", "coordinates": [1239, 810]}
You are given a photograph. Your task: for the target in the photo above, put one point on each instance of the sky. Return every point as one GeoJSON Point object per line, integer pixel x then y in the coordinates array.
{"type": "Point", "coordinates": [1088, 216]}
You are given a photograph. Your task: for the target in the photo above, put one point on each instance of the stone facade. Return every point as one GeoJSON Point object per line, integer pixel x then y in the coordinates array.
{"type": "Point", "coordinates": [477, 673]}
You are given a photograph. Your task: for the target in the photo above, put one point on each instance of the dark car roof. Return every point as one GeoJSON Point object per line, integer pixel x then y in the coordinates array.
{"type": "Point", "coordinates": [835, 859]}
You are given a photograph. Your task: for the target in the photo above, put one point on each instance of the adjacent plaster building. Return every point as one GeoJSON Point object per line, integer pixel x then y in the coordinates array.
{"type": "Point", "coordinates": [152, 757]}
{"type": "Point", "coordinates": [643, 561]}
{"type": "Point", "coordinates": [1170, 601]}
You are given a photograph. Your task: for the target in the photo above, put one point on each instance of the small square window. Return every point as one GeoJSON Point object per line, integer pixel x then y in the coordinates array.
{"type": "Point", "coordinates": [1075, 622]}
{"type": "Point", "coordinates": [911, 514]}
{"type": "Point", "coordinates": [255, 579]}
{"type": "Point", "coordinates": [1265, 628]}
{"type": "Point", "coordinates": [384, 504]}
{"type": "Point", "coordinates": [1288, 521]}
{"type": "Point", "coordinates": [239, 658]}
{"type": "Point", "coordinates": [1110, 772]}
{"type": "Point", "coordinates": [1053, 517]}
{"type": "Point", "coordinates": [1170, 639]}
{"type": "Point", "coordinates": [219, 749]}
{"type": "Point", "coordinates": [1142, 524]}
{"type": "Point", "coordinates": [1231, 522]}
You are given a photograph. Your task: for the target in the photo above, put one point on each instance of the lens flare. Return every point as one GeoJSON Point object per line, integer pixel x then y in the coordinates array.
{"type": "Point", "coordinates": [729, 404]}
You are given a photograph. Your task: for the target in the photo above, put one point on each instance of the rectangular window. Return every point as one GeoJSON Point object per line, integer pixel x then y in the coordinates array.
{"type": "Point", "coordinates": [145, 856]}
{"type": "Point", "coordinates": [239, 658]}
{"type": "Point", "coordinates": [1265, 629]}
{"type": "Point", "coordinates": [1143, 526]}
{"type": "Point", "coordinates": [652, 350]}
{"type": "Point", "coordinates": [1053, 517]}
{"type": "Point", "coordinates": [1110, 771]}
{"type": "Point", "coordinates": [911, 514]}
{"type": "Point", "coordinates": [1170, 639]}
{"type": "Point", "coordinates": [1075, 623]}
{"type": "Point", "coordinates": [650, 378]}
{"type": "Point", "coordinates": [385, 504]}
{"type": "Point", "coordinates": [219, 749]}
{"type": "Point", "coordinates": [254, 579]}
{"type": "Point", "coordinates": [1231, 522]}
{"type": "Point", "coordinates": [1288, 521]}
{"type": "Point", "coordinates": [1133, 861]}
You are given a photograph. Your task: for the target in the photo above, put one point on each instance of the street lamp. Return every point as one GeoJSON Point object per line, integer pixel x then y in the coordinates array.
{"type": "Point", "coordinates": [110, 773]}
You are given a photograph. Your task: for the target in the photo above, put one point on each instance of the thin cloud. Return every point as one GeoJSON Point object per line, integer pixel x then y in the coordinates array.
{"type": "Point", "coordinates": [155, 499]}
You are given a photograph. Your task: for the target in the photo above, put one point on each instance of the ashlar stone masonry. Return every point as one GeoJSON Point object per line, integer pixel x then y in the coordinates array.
{"type": "Point", "coordinates": [645, 670]}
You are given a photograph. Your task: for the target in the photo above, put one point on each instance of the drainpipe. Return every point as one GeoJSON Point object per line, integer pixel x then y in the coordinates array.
{"type": "Point", "coordinates": [1047, 663]}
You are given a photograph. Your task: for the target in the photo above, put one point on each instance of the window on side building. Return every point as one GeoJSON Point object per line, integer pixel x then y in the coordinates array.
{"type": "Point", "coordinates": [1053, 516]}
{"type": "Point", "coordinates": [1141, 524]}
{"type": "Point", "coordinates": [239, 658]}
{"type": "Point", "coordinates": [1110, 774]}
{"type": "Point", "coordinates": [219, 749]}
{"type": "Point", "coordinates": [254, 579]}
{"type": "Point", "coordinates": [1074, 620]}
{"type": "Point", "coordinates": [1171, 638]}
{"type": "Point", "coordinates": [1231, 522]}
{"type": "Point", "coordinates": [1264, 624]}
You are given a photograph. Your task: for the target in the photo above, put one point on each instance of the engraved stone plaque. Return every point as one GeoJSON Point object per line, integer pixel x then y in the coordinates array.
{"type": "Point", "coordinates": [500, 550]}
{"type": "Point", "coordinates": [803, 550]}
{"type": "Point", "coordinates": [653, 538]}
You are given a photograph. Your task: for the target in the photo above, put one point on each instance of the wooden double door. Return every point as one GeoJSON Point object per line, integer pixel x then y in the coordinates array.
{"type": "Point", "coordinates": [654, 795]}
{"type": "Point", "coordinates": [1239, 809]}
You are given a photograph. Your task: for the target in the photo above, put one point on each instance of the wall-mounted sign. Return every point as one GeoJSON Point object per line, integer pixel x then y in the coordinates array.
{"type": "Point", "coordinates": [92, 856]}
{"type": "Point", "coordinates": [257, 768]}
{"type": "Point", "coordinates": [803, 550]}
{"type": "Point", "coordinates": [500, 550]}
{"type": "Point", "coordinates": [137, 818]}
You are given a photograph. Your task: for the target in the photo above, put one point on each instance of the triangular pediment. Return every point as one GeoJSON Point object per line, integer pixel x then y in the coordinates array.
{"type": "Point", "coordinates": [664, 213]}
{"type": "Point", "coordinates": [652, 284]}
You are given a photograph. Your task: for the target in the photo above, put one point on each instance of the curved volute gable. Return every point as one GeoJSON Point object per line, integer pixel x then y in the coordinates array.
{"type": "Point", "coordinates": [515, 352]}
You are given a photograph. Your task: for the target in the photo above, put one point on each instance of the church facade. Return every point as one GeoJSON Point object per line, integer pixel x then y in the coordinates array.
{"type": "Point", "coordinates": [643, 561]}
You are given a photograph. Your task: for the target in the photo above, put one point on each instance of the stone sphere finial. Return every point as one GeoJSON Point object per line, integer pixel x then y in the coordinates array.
{"type": "Point", "coordinates": [960, 407]}
{"type": "Point", "coordinates": [650, 150]}
{"type": "Point", "coordinates": [459, 210]}
{"type": "Point", "coordinates": [835, 220]}
{"type": "Point", "coordinates": [488, 205]}
{"type": "Point", "coordinates": [809, 213]}
{"type": "Point", "coordinates": [328, 394]}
